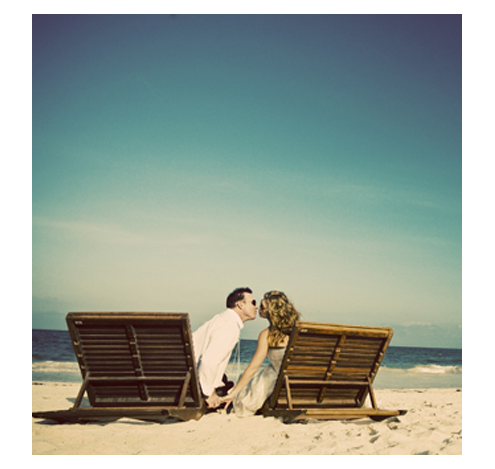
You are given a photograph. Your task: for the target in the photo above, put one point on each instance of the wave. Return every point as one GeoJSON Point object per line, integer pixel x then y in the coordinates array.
{"type": "Point", "coordinates": [428, 369]}
{"type": "Point", "coordinates": [437, 369]}
{"type": "Point", "coordinates": [57, 367]}
{"type": "Point", "coordinates": [68, 367]}
{"type": "Point", "coordinates": [418, 376]}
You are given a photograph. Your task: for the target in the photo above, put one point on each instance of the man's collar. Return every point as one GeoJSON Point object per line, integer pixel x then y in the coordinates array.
{"type": "Point", "coordinates": [238, 319]}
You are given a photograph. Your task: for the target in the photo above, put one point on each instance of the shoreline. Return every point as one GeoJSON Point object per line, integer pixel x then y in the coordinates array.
{"type": "Point", "coordinates": [387, 378]}
{"type": "Point", "coordinates": [432, 425]}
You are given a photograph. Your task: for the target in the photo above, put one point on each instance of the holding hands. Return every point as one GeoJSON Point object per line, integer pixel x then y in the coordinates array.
{"type": "Point", "coordinates": [227, 400]}
{"type": "Point", "coordinates": [213, 401]}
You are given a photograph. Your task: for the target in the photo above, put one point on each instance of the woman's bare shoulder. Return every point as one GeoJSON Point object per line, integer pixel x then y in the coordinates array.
{"type": "Point", "coordinates": [264, 333]}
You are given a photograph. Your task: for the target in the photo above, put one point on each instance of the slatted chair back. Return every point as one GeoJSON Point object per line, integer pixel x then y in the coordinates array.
{"type": "Point", "coordinates": [329, 366]}
{"type": "Point", "coordinates": [135, 359]}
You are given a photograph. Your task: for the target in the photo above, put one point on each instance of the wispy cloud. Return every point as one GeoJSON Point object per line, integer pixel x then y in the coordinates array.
{"type": "Point", "coordinates": [117, 234]}
{"type": "Point", "coordinates": [414, 324]}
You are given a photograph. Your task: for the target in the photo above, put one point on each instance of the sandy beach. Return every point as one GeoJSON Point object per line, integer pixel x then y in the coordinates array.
{"type": "Point", "coordinates": [432, 425]}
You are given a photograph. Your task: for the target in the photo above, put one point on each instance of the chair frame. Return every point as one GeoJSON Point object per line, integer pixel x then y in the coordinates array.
{"type": "Point", "coordinates": [140, 404]}
{"type": "Point", "coordinates": [298, 372]}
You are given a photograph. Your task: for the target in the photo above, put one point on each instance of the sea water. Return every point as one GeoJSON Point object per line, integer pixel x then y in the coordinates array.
{"type": "Point", "coordinates": [53, 359]}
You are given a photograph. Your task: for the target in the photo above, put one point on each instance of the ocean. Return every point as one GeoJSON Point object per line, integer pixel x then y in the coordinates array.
{"type": "Point", "coordinates": [53, 359]}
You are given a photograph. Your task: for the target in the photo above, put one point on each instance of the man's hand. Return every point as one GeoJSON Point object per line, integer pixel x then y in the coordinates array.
{"type": "Point", "coordinates": [213, 401]}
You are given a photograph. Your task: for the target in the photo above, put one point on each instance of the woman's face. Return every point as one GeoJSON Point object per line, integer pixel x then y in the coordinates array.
{"type": "Point", "coordinates": [263, 309]}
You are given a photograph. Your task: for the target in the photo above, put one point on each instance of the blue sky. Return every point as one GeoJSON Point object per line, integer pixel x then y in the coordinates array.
{"type": "Point", "coordinates": [178, 157]}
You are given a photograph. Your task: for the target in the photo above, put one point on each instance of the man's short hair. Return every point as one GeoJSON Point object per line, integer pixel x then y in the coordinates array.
{"type": "Point", "coordinates": [237, 295]}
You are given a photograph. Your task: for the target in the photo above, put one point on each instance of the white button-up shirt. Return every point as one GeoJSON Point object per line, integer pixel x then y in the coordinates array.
{"type": "Point", "coordinates": [213, 345]}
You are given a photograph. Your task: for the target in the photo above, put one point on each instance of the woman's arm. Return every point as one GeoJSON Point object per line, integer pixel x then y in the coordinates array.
{"type": "Point", "coordinates": [256, 361]}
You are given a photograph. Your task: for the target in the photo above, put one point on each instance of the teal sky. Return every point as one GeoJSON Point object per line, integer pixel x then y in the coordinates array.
{"type": "Point", "coordinates": [176, 158]}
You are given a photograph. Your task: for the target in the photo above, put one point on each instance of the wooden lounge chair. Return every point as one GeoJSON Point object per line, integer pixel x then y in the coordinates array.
{"type": "Point", "coordinates": [136, 365]}
{"type": "Point", "coordinates": [327, 373]}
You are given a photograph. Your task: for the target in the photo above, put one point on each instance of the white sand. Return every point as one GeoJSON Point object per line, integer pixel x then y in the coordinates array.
{"type": "Point", "coordinates": [432, 425]}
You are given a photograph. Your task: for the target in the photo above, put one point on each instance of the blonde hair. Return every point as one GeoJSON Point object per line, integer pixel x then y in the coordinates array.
{"type": "Point", "coordinates": [281, 315]}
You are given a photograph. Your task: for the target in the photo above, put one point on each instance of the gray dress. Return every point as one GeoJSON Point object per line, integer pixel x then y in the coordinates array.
{"type": "Point", "coordinates": [253, 396]}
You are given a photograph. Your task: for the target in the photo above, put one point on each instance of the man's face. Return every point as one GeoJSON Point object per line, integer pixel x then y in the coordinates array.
{"type": "Point", "coordinates": [249, 306]}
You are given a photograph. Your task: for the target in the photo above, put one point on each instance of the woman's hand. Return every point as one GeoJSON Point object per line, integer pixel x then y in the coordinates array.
{"type": "Point", "coordinates": [227, 400]}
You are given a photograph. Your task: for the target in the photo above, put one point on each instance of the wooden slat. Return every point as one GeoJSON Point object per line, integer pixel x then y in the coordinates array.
{"type": "Point", "coordinates": [325, 383]}
{"type": "Point", "coordinates": [311, 401]}
{"type": "Point", "coordinates": [116, 379]}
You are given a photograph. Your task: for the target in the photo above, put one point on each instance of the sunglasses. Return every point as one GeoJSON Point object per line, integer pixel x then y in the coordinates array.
{"type": "Point", "coordinates": [253, 302]}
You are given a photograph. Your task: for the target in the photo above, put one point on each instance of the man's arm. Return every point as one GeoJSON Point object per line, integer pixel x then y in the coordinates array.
{"type": "Point", "coordinates": [216, 356]}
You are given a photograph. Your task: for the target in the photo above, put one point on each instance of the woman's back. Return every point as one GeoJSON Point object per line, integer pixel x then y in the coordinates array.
{"type": "Point", "coordinates": [276, 356]}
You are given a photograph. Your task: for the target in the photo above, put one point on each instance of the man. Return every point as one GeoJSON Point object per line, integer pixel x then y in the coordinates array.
{"type": "Point", "coordinates": [215, 340]}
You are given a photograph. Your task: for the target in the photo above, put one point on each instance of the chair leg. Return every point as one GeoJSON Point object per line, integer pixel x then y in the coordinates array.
{"type": "Point", "coordinates": [287, 388]}
{"type": "Point", "coordinates": [81, 392]}
{"type": "Point", "coordinates": [372, 395]}
{"type": "Point", "coordinates": [183, 393]}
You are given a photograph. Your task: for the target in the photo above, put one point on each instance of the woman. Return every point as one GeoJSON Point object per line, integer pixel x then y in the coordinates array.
{"type": "Point", "coordinates": [248, 396]}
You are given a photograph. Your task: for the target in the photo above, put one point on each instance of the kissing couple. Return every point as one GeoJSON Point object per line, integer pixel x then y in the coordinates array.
{"type": "Point", "coordinates": [215, 340]}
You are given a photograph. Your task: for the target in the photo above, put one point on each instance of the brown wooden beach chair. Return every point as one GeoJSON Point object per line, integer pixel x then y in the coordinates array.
{"type": "Point", "coordinates": [328, 372]}
{"type": "Point", "coordinates": [136, 365]}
